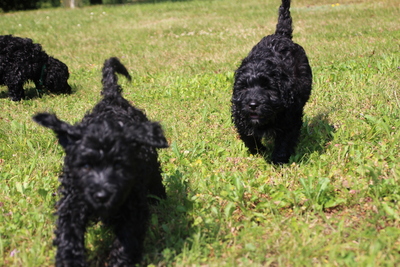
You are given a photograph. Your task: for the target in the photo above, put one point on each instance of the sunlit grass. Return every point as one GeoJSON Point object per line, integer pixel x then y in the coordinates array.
{"type": "Point", "coordinates": [336, 203]}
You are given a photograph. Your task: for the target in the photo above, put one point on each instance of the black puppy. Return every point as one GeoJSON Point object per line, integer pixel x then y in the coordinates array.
{"type": "Point", "coordinates": [110, 167]}
{"type": "Point", "coordinates": [22, 60]}
{"type": "Point", "coordinates": [271, 87]}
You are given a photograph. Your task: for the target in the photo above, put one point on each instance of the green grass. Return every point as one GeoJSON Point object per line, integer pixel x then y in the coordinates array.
{"type": "Point", "coordinates": [336, 204]}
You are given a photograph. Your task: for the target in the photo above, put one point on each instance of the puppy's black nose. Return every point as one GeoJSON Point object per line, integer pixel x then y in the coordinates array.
{"type": "Point", "coordinates": [101, 196]}
{"type": "Point", "coordinates": [253, 105]}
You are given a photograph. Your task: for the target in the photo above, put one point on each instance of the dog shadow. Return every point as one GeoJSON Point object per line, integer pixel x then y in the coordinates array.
{"type": "Point", "coordinates": [31, 92]}
{"type": "Point", "coordinates": [170, 225]}
{"type": "Point", "coordinates": [168, 229]}
{"type": "Point", "coordinates": [315, 134]}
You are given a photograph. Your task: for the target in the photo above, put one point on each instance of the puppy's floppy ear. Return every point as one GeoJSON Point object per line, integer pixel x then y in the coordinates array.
{"type": "Point", "coordinates": [148, 133]}
{"type": "Point", "coordinates": [65, 132]}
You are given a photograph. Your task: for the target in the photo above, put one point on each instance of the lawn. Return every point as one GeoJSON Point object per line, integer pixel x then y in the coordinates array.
{"type": "Point", "coordinates": [335, 204]}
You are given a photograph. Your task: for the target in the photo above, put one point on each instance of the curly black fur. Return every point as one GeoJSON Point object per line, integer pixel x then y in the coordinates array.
{"type": "Point", "coordinates": [22, 60]}
{"type": "Point", "coordinates": [110, 167]}
{"type": "Point", "coordinates": [272, 85]}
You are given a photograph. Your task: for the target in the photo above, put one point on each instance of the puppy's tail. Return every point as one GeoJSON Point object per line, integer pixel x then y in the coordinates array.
{"type": "Point", "coordinates": [284, 26]}
{"type": "Point", "coordinates": [110, 79]}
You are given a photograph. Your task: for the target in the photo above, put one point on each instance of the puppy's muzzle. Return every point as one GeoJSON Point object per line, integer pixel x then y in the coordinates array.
{"type": "Point", "coordinates": [102, 196]}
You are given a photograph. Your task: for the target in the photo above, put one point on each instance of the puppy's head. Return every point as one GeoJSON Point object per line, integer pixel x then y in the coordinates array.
{"type": "Point", "coordinates": [103, 157]}
{"type": "Point", "coordinates": [257, 97]}
{"type": "Point", "coordinates": [54, 76]}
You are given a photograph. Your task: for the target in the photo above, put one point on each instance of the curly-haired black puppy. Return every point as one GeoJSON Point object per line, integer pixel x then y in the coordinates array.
{"type": "Point", "coordinates": [271, 87]}
{"type": "Point", "coordinates": [22, 60]}
{"type": "Point", "coordinates": [110, 167]}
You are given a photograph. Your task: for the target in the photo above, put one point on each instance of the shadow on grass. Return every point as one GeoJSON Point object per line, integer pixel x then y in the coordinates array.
{"type": "Point", "coordinates": [168, 229]}
{"type": "Point", "coordinates": [32, 93]}
{"type": "Point", "coordinates": [315, 134]}
{"type": "Point", "coordinates": [170, 225]}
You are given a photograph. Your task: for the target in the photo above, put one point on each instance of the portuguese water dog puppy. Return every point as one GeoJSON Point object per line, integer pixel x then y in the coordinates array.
{"type": "Point", "coordinates": [271, 87]}
{"type": "Point", "coordinates": [22, 60]}
{"type": "Point", "coordinates": [110, 167]}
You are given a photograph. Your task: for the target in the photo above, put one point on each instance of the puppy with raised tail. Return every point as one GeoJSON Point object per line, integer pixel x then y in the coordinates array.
{"type": "Point", "coordinates": [110, 167]}
{"type": "Point", "coordinates": [272, 85]}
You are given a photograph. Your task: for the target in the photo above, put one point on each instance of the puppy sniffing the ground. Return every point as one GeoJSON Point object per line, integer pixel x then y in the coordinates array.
{"type": "Point", "coordinates": [272, 85]}
{"type": "Point", "coordinates": [110, 167]}
{"type": "Point", "coordinates": [22, 60]}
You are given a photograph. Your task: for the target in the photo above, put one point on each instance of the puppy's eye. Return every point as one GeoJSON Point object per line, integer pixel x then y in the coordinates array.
{"type": "Point", "coordinates": [86, 167]}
